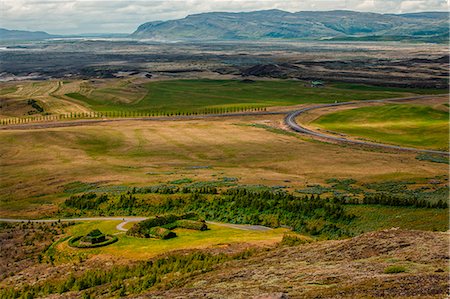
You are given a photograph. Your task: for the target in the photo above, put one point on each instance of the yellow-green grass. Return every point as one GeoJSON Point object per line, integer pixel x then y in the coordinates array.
{"type": "Point", "coordinates": [403, 124]}
{"type": "Point", "coordinates": [36, 165]}
{"type": "Point", "coordinates": [141, 248]}
{"type": "Point", "coordinates": [196, 95]}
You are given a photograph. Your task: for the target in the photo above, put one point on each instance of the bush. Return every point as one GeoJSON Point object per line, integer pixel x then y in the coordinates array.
{"type": "Point", "coordinates": [292, 239]}
{"type": "Point", "coordinates": [95, 236]}
{"type": "Point", "coordinates": [191, 224]}
{"type": "Point", "coordinates": [161, 233]}
{"type": "Point", "coordinates": [142, 229]}
{"type": "Point", "coordinates": [394, 269]}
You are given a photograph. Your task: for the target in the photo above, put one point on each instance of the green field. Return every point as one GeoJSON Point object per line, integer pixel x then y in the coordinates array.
{"type": "Point", "coordinates": [407, 125]}
{"type": "Point", "coordinates": [196, 95]}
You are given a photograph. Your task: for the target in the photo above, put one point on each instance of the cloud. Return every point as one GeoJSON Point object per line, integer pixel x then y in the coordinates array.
{"type": "Point", "coordinates": [83, 16]}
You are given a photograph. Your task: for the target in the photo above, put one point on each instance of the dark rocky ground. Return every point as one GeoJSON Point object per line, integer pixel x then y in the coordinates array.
{"type": "Point", "coordinates": [393, 64]}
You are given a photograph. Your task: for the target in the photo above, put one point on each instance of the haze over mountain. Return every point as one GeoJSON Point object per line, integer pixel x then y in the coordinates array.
{"type": "Point", "coordinates": [270, 24]}
{"type": "Point", "coordinates": [6, 34]}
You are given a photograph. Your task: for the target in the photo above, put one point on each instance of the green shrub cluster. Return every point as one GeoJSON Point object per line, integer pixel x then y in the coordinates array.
{"type": "Point", "coordinates": [143, 229]}
{"type": "Point", "coordinates": [433, 158]}
{"type": "Point", "coordinates": [86, 201]}
{"type": "Point", "coordinates": [160, 233]}
{"type": "Point", "coordinates": [401, 201]}
{"type": "Point", "coordinates": [191, 224]}
{"type": "Point", "coordinates": [292, 239]}
{"type": "Point", "coordinates": [394, 269]}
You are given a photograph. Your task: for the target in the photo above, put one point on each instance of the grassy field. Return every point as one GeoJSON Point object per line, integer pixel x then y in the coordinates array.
{"type": "Point", "coordinates": [408, 125]}
{"type": "Point", "coordinates": [195, 95]}
{"type": "Point", "coordinates": [182, 96]}
{"type": "Point", "coordinates": [38, 165]}
{"type": "Point", "coordinates": [137, 248]}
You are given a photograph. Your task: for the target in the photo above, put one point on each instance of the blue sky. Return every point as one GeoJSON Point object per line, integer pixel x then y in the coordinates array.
{"type": "Point", "coordinates": [122, 16]}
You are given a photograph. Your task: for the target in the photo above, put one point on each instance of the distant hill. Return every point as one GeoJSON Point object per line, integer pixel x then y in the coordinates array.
{"type": "Point", "coordinates": [278, 24]}
{"type": "Point", "coordinates": [6, 34]}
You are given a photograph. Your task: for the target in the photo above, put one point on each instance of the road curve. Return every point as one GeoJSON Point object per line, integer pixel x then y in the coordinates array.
{"type": "Point", "coordinates": [293, 125]}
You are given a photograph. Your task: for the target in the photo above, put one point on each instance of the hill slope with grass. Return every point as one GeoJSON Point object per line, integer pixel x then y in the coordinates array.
{"type": "Point", "coordinates": [390, 263]}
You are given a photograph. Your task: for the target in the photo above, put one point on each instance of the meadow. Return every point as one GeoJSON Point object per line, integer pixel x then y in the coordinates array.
{"type": "Point", "coordinates": [196, 95]}
{"type": "Point", "coordinates": [128, 97]}
{"type": "Point", "coordinates": [37, 166]}
{"type": "Point", "coordinates": [134, 248]}
{"type": "Point", "coordinates": [403, 124]}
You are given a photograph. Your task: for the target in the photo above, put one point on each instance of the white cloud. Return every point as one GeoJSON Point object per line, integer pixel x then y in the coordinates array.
{"type": "Point", "coordinates": [78, 16]}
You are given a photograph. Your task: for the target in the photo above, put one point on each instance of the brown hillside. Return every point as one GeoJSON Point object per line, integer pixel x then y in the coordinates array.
{"type": "Point", "coordinates": [351, 268]}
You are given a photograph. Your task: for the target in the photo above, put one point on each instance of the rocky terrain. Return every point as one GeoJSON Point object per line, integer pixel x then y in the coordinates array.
{"type": "Point", "coordinates": [389, 64]}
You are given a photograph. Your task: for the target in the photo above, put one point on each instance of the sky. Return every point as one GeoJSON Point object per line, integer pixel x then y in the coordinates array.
{"type": "Point", "coordinates": [123, 16]}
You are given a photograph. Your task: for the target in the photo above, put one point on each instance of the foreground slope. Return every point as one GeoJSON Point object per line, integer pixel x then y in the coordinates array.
{"type": "Point", "coordinates": [351, 268]}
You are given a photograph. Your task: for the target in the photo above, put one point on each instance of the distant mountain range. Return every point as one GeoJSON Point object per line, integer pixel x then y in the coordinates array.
{"type": "Point", "coordinates": [278, 24]}
{"type": "Point", "coordinates": [6, 34]}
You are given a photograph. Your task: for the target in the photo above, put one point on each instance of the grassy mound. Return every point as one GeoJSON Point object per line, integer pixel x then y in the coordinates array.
{"type": "Point", "coordinates": [160, 227]}
{"type": "Point", "coordinates": [79, 243]}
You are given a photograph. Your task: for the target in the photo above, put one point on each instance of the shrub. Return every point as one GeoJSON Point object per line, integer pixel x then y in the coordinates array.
{"type": "Point", "coordinates": [191, 224]}
{"type": "Point", "coordinates": [394, 269]}
{"type": "Point", "coordinates": [161, 233]}
{"type": "Point", "coordinates": [141, 229]}
{"type": "Point", "coordinates": [95, 236]}
{"type": "Point", "coordinates": [292, 239]}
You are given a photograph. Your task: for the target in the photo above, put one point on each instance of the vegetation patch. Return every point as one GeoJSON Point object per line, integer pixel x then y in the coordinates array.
{"type": "Point", "coordinates": [433, 158]}
{"type": "Point", "coordinates": [394, 269]}
{"type": "Point", "coordinates": [293, 239]}
{"type": "Point", "coordinates": [122, 280]}
{"type": "Point", "coordinates": [160, 226]}
{"type": "Point", "coordinates": [181, 181]}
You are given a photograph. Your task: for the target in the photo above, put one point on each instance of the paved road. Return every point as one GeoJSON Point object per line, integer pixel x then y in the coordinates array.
{"type": "Point", "coordinates": [292, 124]}
{"type": "Point", "coordinates": [126, 220]}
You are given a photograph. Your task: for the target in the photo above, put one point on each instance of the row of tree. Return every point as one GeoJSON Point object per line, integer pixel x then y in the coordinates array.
{"type": "Point", "coordinates": [124, 114]}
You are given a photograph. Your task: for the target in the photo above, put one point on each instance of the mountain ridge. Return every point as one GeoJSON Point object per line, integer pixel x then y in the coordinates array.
{"type": "Point", "coordinates": [279, 24]}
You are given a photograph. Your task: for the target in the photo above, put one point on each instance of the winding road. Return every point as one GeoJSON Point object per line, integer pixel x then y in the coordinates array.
{"type": "Point", "coordinates": [127, 219]}
{"type": "Point", "coordinates": [290, 121]}
{"type": "Point", "coordinates": [293, 125]}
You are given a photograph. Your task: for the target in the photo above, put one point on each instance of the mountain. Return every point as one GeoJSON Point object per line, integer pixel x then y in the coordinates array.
{"type": "Point", "coordinates": [278, 24]}
{"type": "Point", "coordinates": [6, 34]}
